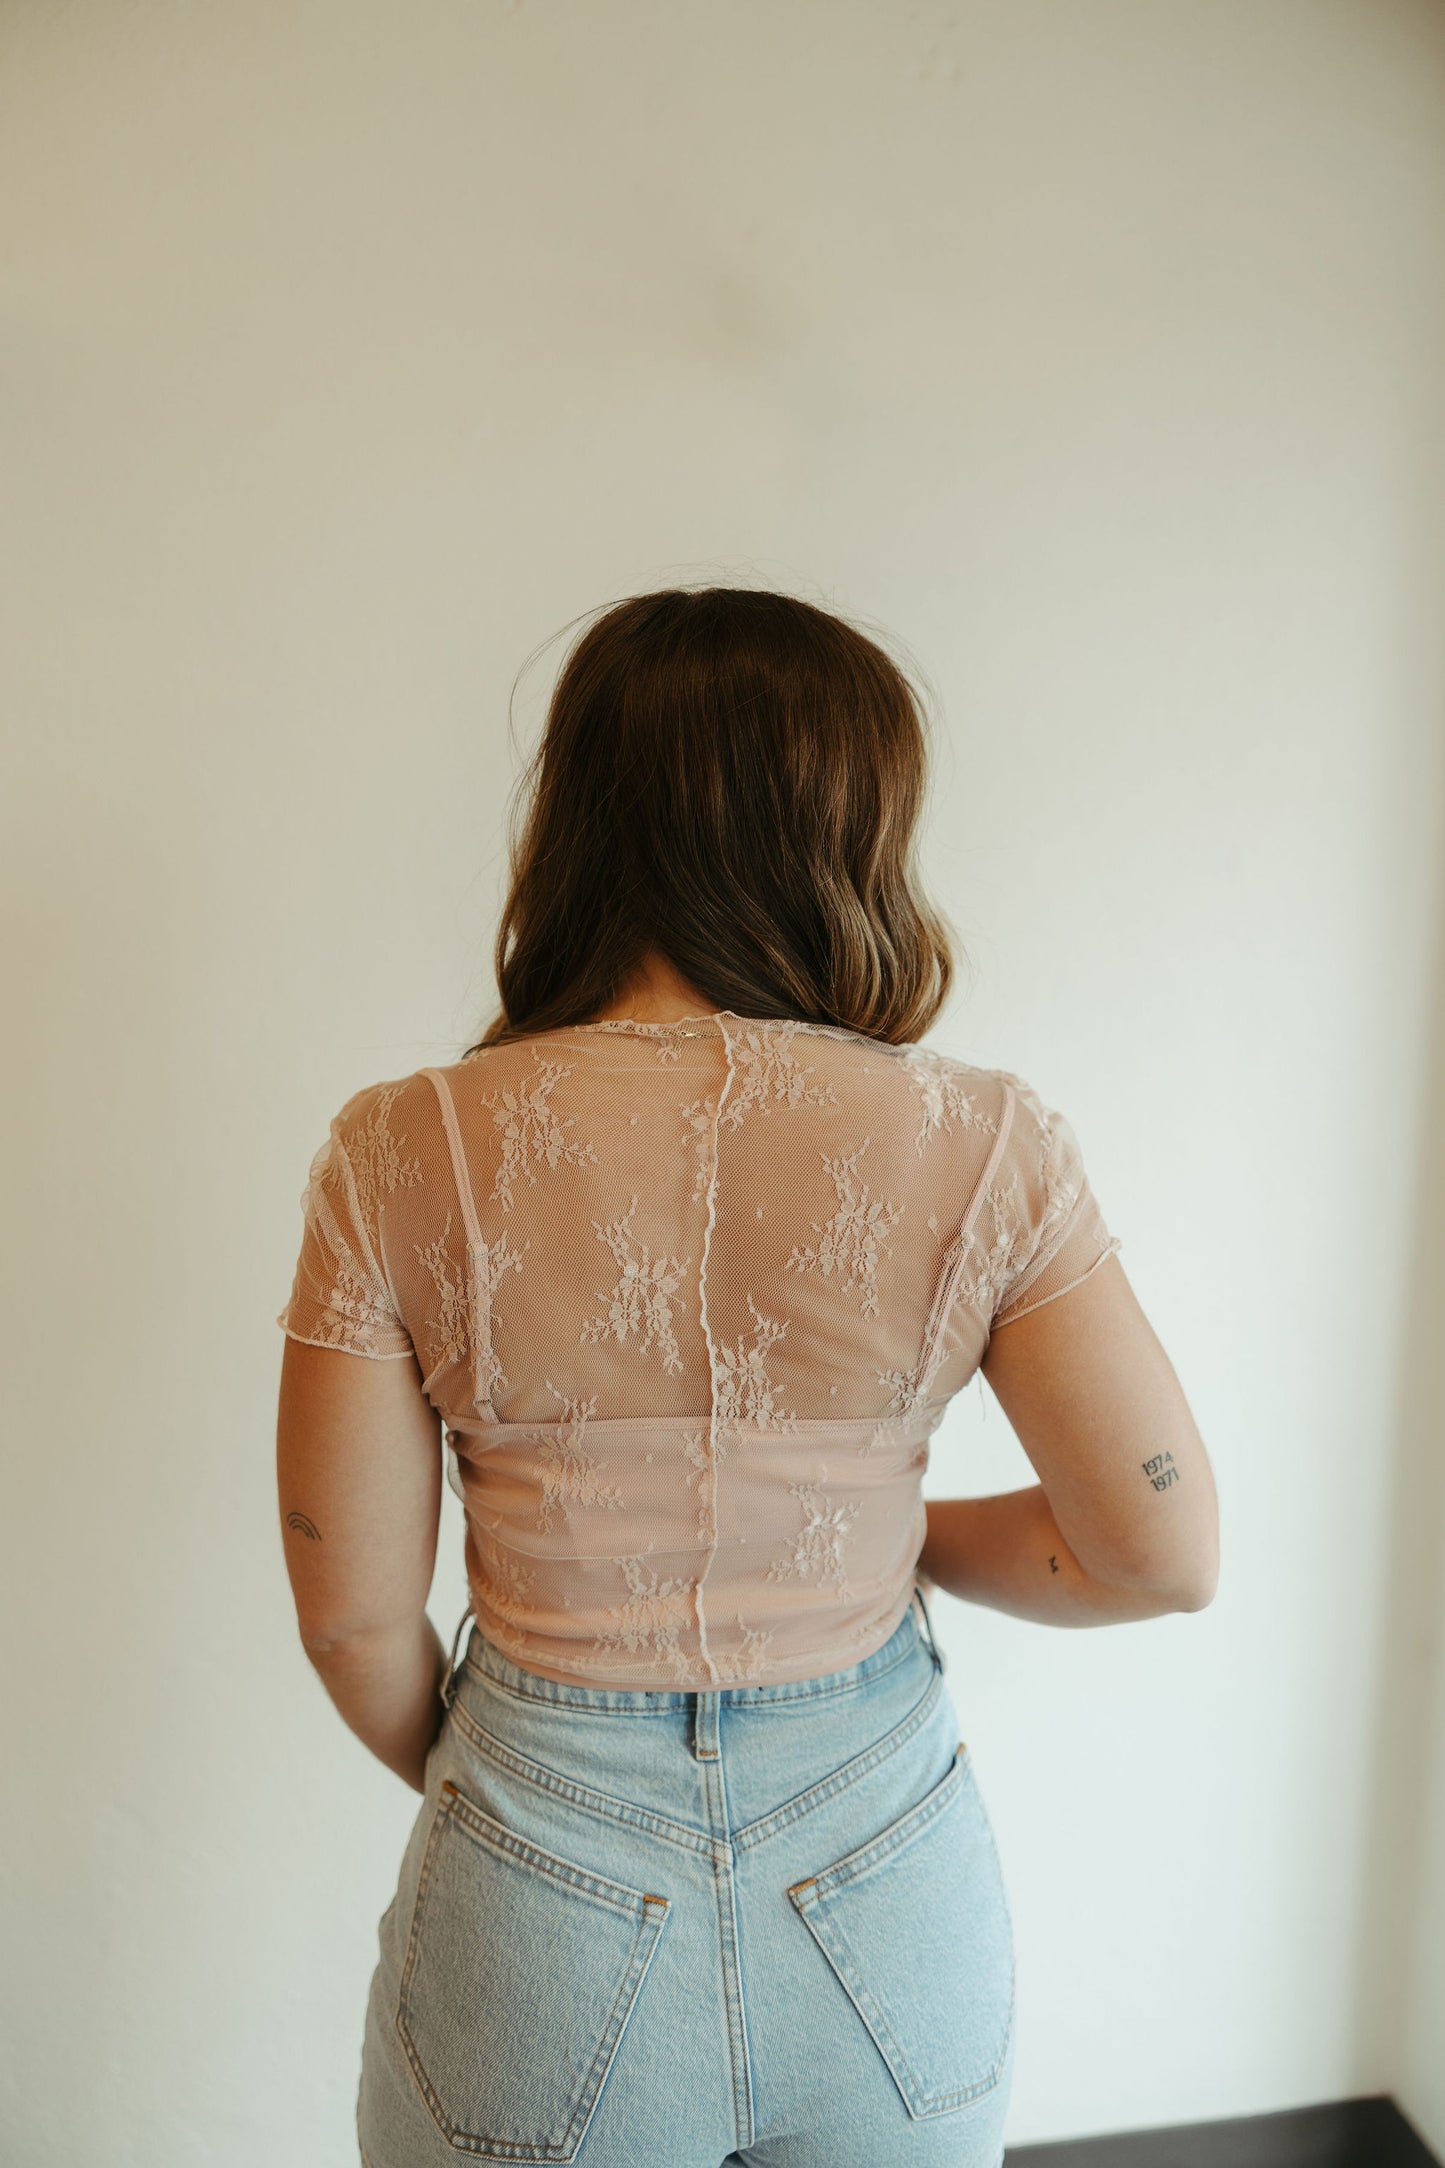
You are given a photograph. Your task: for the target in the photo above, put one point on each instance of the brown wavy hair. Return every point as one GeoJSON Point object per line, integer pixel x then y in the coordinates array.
{"type": "Point", "coordinates": [732, 778]}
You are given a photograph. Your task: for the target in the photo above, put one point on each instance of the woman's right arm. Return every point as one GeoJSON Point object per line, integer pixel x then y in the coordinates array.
{"type": "Point", "coordinates": [1124, 1521]}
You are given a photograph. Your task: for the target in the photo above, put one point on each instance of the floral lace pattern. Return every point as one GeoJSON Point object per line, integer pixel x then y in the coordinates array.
{"type": "Point", "coordinates": [641, 1303]}
{"type": "Point", "coordinates": [506, 1592]}
{"type": "Point", "coordinates": [743, 1390]}
{"type": "Point", "coordinates": [987, 1271]}
{"type": "Point", "coordinates": [532, 1131]}
{"type": "Point", "coordinates": [353, 1311]}
{"type": "Point", "coordinates": [698, 1118]}
{"type": "Point", "coordinates": [453, 1333]}
{"type": "Point", "coordinates": [769, 1074]}
{"type": "Point", "coordinates": [816, 1552]}
{"type": "Point", "coordinates": [449, 1330]}
{"type": "Point", "coordinates": [852, 1242]}
{"type": "Point", "coordinates": [375, 1156]}
{"type": "Point", "coordinates": [946, 1098]}
{"type": "Point", "coordinates": [749, 1658]}
{"type": "Point", "coordinates": [704, 1455]}
{"type": "Point", "coordinates": [909, 1390]}
{"type": "Point", "coordinates": [570, 1475]}
{"type": "Point", "coordinates": [651, 1618]}
{"type": "Point", "coordinates": [758, 1257]}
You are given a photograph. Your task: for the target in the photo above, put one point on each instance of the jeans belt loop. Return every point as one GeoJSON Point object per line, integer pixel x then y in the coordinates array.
{"type": "Point", "coordinates": [449, 1680]}
{"type": "Point", "coordinates": [938, 1656]}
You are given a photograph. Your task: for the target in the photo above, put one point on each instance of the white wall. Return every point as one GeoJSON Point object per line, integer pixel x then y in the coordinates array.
{"type": "Point", "coordinates": [351, 351]}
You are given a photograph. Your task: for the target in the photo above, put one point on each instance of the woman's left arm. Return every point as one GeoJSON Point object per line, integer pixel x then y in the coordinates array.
{"type": "Point", "coordinates": [359, 1482]}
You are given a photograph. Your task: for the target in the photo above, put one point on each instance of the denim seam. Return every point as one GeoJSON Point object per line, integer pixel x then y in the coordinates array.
{"type": "Point", "coordinates": [920, 2103]}
{"type": "Point", "coordinates": [622, 2008]}
{"type": "Point", "coordinates": [809, 1899]}
{"type": "Point", "coordinates": [730, 1952]}
{"type": "Point", "coordinates": [650, 1918]}
{"type": "Point", "coordinates": [735, 2016]}
{"type": "Point", "coordinates": [403, 2027]}
{"type": "Point", "coordinates": [899, 1835]}
{"type": "Point", "coordinates": [795, 1690]}
{"type": "Point", "coordinates": [816, 1795]}
{"type": "Point", "coordinates": [481, 1828]}
{"type": "Point", "coordinates": [603, 1804]}
{"type": "Point", "coordinates": [566, 2150]}
{"type": "Point", "coordinates": [669, 1701]}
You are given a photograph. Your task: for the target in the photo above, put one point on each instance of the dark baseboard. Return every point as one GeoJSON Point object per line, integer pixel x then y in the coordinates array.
{"type": "Point", "coordinates": [1345, 2134]}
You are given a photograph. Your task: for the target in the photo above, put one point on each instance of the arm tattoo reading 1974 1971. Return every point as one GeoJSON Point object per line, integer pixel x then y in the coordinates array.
{"type": "Point", "coordinates": [304, 1527]}
{"type": "Point", "coordinates": [1161, 1470]}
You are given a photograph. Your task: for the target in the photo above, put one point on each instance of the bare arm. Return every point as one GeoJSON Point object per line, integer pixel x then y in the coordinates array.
{"type": "Point", "coordinates": [1124, 1522]}
{"type": "Point", "coordinates": [988, 1551]}
{"type": "Point", "coordinates": [359, 1474]}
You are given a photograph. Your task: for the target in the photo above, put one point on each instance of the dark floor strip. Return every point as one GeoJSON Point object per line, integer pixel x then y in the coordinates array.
{"type": "Point", "coordinates": [1345, 2134]}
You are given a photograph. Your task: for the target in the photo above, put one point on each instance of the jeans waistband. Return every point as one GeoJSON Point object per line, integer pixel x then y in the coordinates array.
{"type": "Point", "coordinates": [483, 1656]}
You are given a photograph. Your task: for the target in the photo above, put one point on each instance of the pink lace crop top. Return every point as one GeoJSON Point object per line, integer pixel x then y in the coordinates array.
{"type": "Point", "coordinates": [689, 1300]}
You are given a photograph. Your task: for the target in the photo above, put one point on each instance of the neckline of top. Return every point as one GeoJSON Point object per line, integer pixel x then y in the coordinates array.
{"type": "Point", "coordinates": [666, 1023]}
{"type": "Point", "coordinates": [715, 1022]}
{"type": "Point", "coordinates": [710, 1022]}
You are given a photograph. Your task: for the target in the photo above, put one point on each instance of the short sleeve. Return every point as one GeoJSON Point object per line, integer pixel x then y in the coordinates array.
{"type": "Point", "coordinates": [1057, 1234]}
{"type": "Point", "coordinates": [341, 1295]}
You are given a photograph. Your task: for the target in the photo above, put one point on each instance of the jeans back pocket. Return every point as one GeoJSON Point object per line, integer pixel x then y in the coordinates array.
{"type": "Point", "coordinates": [916, 1925]}
{"type": "Point", "coordinates": [521, 1972]}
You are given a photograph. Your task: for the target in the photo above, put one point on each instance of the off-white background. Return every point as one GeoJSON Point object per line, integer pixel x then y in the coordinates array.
{"type": "Point", "coordinates": [1095, 353]}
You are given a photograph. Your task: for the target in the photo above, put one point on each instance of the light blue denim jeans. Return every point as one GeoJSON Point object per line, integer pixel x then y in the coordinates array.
{"type": "Point", "coordinates": [678, 1929]}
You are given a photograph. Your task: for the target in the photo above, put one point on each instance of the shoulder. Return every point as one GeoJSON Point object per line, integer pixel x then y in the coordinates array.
{"type": "Point", "coordinates": [1033, 1118]}
{"type": "Point", "coordinates": [945, 1101]}
{"type": "Point", "coordinates": [1043, 1165]}
{"type": "Point", "coordinates": [376, 1107]}
{"type": "Point", "coordinates": [379, 1135]}
{"type": "Point", "coordinates": [1031, 1132]}
{"type": "Point", "coordinates": [932, 1071]}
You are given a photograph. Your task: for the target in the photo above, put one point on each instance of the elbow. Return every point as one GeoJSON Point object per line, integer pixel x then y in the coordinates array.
{"type": "Point", "coordinates": [1179, 1571]}
{"type": "Point", "coordinates": [1181, 1585]}
{"type": "Point", "coordinates": [325, 1637]}
{"type": "Point", "coordinates": [320, 1641]}
{"type": "Point", "coordinates": [1196, 1590]}
{"type": "Point", "coordinates": [340, 1638]}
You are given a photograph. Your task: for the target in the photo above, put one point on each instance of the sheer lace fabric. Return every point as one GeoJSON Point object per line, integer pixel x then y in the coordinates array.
{"type": "Point", "coordinates": [690, 1300]}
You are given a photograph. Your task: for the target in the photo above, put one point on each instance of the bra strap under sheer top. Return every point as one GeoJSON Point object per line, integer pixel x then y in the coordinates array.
{"type": "Point", "coordinates": [479, 1276]}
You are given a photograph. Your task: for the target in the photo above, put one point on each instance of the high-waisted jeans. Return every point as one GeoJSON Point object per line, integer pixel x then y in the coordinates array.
{"type": "Point", "coordinates": [696, 1929]}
